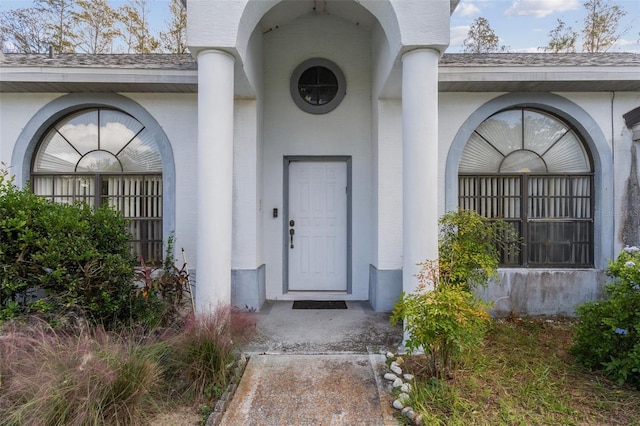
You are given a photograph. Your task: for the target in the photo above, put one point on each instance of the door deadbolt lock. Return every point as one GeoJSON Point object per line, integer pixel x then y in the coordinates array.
{"type": "Point", "coordinates": [292, 222]}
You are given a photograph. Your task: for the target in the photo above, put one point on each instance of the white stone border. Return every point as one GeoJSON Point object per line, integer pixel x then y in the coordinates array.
{"type": "Point", "coordinates": [405, 383]}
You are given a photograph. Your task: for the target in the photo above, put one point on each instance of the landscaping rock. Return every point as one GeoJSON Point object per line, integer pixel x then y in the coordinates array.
{"type": "Point", "coordinates": [403, 398]}
{"type": "Point", "coordinates": [398, 405]}
{"type": "Point", "coordinates": [391, 377]}
{"type": "Point", "coordinates": [417, 420]}
{"type": "Point", "coordinates": [410, 414]}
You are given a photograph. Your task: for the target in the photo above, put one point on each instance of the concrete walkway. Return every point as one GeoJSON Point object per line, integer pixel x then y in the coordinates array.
{"type": "Point", "coordinates": [316, 367]}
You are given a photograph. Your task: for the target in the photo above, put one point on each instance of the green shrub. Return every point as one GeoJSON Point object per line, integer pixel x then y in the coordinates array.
{"type": "Point", "coordinates": [445, 322]}
{"type": "Point", "coordinates": [67, 257]}
{"type": "Point", "coordinates": [608, 335]}
{"type": "Point", "coordinates": [470, 246]}
{"type": "Point", "coordinates": [442, 316]}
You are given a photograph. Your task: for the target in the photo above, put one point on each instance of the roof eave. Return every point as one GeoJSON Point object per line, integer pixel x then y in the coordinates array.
{"type": "Point", "coordinates": [48, 79]}
{"type": "Point", "coordinates": [547, 79]}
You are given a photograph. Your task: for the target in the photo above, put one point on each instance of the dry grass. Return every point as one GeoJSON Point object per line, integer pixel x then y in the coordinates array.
{"type": "Point", "coordinates": [524, 375]}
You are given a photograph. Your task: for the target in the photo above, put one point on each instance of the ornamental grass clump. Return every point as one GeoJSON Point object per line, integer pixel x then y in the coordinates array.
{"type": "Point", "coordinates": [205, 350]}
{"type": "Point", "coordinates": [79, 377]}
{"type": "Point", "coordinates": [82, 374]}
{"type": "Point", "coordinates": [608, 334]}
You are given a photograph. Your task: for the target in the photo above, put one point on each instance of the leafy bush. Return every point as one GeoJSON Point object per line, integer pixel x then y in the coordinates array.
{"type": "Point", "coordinates": [445, 321]}
{"type": "Point", "coordinates": [608, 335]}
{"type": "Point", "coordinates": [442, 316]}
{"type": "Point", "coordinates": [65, 256]}
{"type": "Point", "coordinates": [470, 246]}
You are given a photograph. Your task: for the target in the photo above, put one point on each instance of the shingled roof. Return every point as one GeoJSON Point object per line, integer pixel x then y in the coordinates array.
{"type": "Point", "coordinates": [187, 62]}
{"type": "Point", "coordinates": [80, 60]}
{"type": "Point", "coordinates": [459, 72]}
{"type": "Point", "coordinates": [614, 59]}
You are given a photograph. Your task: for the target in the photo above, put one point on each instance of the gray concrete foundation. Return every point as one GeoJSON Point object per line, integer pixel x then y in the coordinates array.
{"type": "Point", "coordinates": [385, 287]}
{"type": "Point", "coordinates": [248, 290]}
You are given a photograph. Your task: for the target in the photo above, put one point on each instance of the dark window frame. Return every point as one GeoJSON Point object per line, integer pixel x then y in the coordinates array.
{"type": "Point", "coordinates": [524, 219]}
{"type": "Point", "coordinates": [303, 104]}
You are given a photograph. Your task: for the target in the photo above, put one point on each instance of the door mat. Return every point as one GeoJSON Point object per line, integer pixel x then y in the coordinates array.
{"type": "Point", "coordinates": [319, 304]}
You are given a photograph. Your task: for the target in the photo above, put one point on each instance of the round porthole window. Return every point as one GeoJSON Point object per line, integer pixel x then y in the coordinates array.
{"type": "Point", "coordinates": [317, 86]}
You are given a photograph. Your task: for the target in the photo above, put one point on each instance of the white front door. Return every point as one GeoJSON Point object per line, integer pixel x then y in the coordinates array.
{"type": "Point", "coordinates": [317, 248]}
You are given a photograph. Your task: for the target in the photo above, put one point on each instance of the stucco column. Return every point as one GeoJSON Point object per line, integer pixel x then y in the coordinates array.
{"type": "Point", "coordinates": [419, 162]}
{"type": "Point", "coordinates": [215, 178]}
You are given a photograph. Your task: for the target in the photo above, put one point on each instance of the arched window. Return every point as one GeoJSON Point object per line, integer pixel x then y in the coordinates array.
{"type": "Point", "coordinates": [532, 170]}
{"type": "Point", "coordinates": [103, 155]}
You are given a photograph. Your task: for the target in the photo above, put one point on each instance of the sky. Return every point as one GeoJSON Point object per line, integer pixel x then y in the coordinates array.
{"type": "Point", "coordinates": [524, 25]}
{"type": "Point", "coordinates": [521, 25]}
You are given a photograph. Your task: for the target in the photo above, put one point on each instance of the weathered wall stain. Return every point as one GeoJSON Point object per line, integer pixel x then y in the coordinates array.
{"type": "Point", "coordinates": [534, 292]}
{"type": "Point", "coordinates": [630, 233]}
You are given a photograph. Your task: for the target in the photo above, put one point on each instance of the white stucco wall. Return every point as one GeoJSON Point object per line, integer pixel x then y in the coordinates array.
{"type": "Point", "coordinates": [213, 23]}
{"type": "Point", "coordinates": [247, 226]}
{"type": "Point", "coordinates": [415, 32]}
{"type": "Point", "coordinates": [16, 109]}
{"type": "Point", "coordinates": [623, 148]}
{"type": "Point", "coordinates": [247, 181]}
{"type": "Point", "coordinates": [270, 127]}
{"type": "Point", "coordinates": [388, 185]}
{"type": "Point", "coordinates": [344, 131]}
{"type": "Point", "coordinates": [454, 109]}
{"type": "Point", "coordinates": [604, 109]}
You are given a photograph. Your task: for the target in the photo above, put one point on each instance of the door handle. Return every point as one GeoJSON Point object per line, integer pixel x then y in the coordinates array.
{"type": "Point", "coordinates": [291, 233]}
